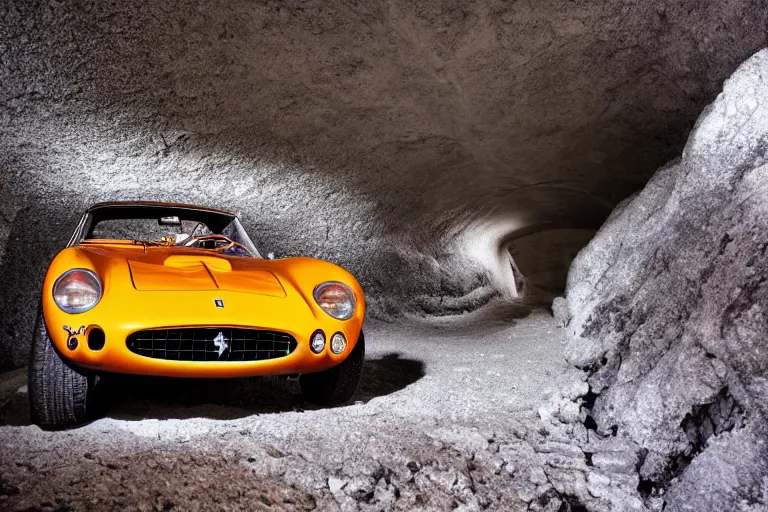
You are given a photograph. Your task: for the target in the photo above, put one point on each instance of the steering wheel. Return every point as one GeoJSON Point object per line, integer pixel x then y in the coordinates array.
{"type": "Point", "coordinates": [228, 242]}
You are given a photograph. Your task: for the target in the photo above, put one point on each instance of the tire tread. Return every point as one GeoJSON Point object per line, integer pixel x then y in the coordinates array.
{"type": "Point", "coordinates": [58, 393]}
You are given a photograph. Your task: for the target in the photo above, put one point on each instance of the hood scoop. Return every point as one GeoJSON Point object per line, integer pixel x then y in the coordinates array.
{"type": "Point", "coordinates": [185, 261]}
{"type": "Point", "coordinates": [180, 273]}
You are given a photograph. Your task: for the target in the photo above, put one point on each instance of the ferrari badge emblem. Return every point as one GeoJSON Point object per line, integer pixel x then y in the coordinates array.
{"type": "Point", "coordinates": [221, 343]}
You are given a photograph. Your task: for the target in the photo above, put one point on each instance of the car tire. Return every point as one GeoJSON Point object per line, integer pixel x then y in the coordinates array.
{"type": "Point", "coordinates": [336, 385]}
{"type": "Point", "coordinates": [58, 394]}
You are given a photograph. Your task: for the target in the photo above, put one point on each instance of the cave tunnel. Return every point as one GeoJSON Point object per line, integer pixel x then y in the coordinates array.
{"type": "Point", "coordinates": [547, 218]}
{"type": "Point", "coordinates": [542, 259]}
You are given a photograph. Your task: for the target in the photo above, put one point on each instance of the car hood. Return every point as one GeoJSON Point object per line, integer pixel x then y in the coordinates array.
{"type": "Point", "coordinates": [202, 272]}
{"type": "Point", "coordinates": [182, 269]}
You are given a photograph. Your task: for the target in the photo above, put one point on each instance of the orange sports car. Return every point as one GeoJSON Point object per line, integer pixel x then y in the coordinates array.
{"type": "Point", "coordinates": [181, 291]}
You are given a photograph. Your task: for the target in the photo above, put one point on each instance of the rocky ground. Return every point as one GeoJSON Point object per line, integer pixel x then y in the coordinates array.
{"type": "Point", "coordinates": [477, 412]}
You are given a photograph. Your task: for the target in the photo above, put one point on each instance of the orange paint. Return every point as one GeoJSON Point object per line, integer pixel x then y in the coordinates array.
{"type": "Point", "coordinates": [175, 287]}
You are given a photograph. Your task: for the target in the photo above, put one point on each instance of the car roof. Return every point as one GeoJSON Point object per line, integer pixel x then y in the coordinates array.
{"type": "Point", "coordinates": [153, 204]}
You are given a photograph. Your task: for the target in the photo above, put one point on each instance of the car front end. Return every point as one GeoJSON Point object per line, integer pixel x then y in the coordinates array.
{"type": "Point", "coordinates": [187, 313]}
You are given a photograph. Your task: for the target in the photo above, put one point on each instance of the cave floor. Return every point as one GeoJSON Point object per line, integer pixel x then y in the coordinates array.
{"type": "Point", "coordinates": [476, 412]}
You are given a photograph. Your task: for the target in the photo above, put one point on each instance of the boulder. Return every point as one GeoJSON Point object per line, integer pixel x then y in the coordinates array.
{"type": "Point", "coordinates": [668, 309]}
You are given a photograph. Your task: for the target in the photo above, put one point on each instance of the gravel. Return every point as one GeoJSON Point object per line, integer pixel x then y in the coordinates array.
{"type": "Point", "coordinates": [449, 415]}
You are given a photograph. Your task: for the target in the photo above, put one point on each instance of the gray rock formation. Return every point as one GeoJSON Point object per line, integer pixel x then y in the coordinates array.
{"type": "Point", "coordinates": [404, 140]}
{"type": "Point", "coordinates": [668, 307]}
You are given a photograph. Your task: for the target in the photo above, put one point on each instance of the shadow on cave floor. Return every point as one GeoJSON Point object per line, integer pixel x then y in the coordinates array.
{"type": "Point", "coordinates": [129, 397]}
{"type": "Point", "coordinates": [495, 316]}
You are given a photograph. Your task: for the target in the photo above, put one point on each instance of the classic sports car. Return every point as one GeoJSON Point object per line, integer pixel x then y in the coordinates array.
{"type": "Point", "coordinates": [181, 291]}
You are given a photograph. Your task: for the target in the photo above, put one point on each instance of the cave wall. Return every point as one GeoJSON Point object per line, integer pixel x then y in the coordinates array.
{"type": "Point", "coordinates": [668, 309]}
{"type": "Point", "coordinates": [405, 141]}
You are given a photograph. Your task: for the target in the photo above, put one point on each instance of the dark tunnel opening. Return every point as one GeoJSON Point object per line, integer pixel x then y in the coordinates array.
{"type": "Point", "coordinates": [541, 260]}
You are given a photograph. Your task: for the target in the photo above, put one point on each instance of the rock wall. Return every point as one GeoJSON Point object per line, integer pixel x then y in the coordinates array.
{"type": "Point", "coordinates": [668, 308]}
{"type": "Point", "coordinates": [404, 140]}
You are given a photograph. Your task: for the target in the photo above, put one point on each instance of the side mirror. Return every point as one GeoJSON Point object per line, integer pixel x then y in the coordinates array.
{"type": "Point", "coordinates": [270, 255]}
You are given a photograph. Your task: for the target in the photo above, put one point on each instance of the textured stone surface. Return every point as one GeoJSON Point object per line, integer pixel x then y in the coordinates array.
{"type": "Point", "coordinates": [404, 140]}
{"type": "Point", "coordinates": [669, 308]}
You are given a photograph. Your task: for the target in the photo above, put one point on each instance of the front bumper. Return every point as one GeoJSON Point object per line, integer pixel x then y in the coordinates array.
{"type": "Point", "coordinates": [158, 310]}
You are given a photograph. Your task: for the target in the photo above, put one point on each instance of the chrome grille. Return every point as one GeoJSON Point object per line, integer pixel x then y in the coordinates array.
{"type": "Point", "coordinates": [211, 344]}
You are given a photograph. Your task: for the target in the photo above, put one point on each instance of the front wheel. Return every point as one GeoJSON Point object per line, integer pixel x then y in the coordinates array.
{"type": "Point", "coordinates": [58, 393]}
{"type": "Point", "coordinates": [336, 385]}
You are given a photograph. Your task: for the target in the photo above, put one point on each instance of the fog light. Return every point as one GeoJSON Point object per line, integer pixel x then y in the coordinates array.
{"type": "Point", "coordinates": [317, 343]}
{"type": "Point", "coordinates": [338, 343]}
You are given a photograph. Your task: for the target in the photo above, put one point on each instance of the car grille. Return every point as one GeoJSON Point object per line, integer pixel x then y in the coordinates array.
{"type": "Point", "coordinates": [211, 344]}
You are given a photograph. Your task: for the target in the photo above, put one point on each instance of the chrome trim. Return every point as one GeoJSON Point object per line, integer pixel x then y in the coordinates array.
{"type": "Point", "coordinates": [78, 234]}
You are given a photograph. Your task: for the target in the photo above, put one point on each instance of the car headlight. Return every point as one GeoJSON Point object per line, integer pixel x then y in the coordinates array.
{"type": "Point", "coordinates": [338, 343]}
{"type": "Point", "coordinates": [77, 290]}
{"type": "Point", "coordinates": [336, 299]}
{"type": "Point", "coordinates": [317, 342]}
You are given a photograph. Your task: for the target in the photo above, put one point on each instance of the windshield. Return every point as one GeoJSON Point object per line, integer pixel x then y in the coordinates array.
{"type": "Point", "coordinates": [166, 226]}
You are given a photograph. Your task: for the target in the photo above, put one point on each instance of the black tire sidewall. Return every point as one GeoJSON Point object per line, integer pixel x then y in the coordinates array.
{"type": "Point", "coordinates": [59, 394]}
